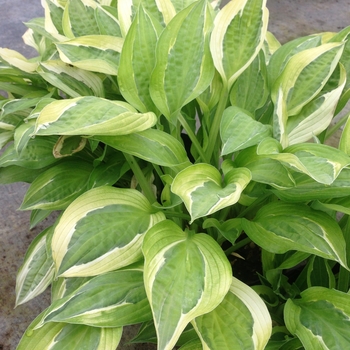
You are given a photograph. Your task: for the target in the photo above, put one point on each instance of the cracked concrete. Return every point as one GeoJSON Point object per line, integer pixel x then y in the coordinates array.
{"type": "Point", "coordinates": [288, 20]}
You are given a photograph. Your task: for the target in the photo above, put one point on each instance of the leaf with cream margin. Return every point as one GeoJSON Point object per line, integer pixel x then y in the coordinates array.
{"type": "Point", "coordinates": [279, 227]}
{"type": "Point", "coordinates": [102, 230]}
{"type": "Point", "coordinates": [183, 60]}
{"type": "Point", "coordinates": [96, 53]}
{"type": "Point", "coordinates": [200, 188]}
{"type": "Point", "coordinates": [186, 275]}
{"type": "Point", "coordinates": [320, 319]}
{"type": "Point", "coordinates": [37, 271]}
{"type": "Point", "coordinates": [305, 75]}
{"type": "Point", "coordinates": [241, 318]}
{"type": "Point", "coordinates": [91, 115]}
{"type": "Point", "coordinates": [317, 115]}
{"type": "Point", "coordinates": [238, 35]}
{"type": "Point", "coordinates": [137, 61]}
{"type": "Point", "coordinates": [321, 162]}
{"type": "Point", "coordinates": [113, 299]}
{"type": "Point", "coordinates": [17, 60]}
{"type": "Point", "coordinates": [59, 335]}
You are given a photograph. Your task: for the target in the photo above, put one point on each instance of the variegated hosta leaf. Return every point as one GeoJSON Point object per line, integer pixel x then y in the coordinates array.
{"type": "Point", "coordinates": [17, 60]}
{"type": "Point", "coordinates": [305, 75]}
{"type": "Point", "coordinates": [241, 318]}
{"type": "Point", "coordinates": [58, 336]}
{"type": "Point", "coordinates": [317, 115]}
{"type": "Point", "coordinates": [112, 299]}
{"type": "Point", "coordinates": [163, 10]}
{"type": "Point", "coordinates": [23, 134]}
{"type": "Point", "coordinates": [238, 35]}
{"type": "Point", "coordinates": [53, 190]}
{"type": "Point", "coordinates": [250, 91]}
{"type": "Point", "coordinates": [126, 11]}
{"type": "Point", "coordinates": [279, 227]}
{"type": "Point", "coordinates": [184, 67]}
{"type": "Point", "coordinates": [153, 145]}
{"type": "Point", "coordinates": [37, 270]}
{"type": "Point", "coordinates": [36, 155]}
{"type": "Point", "coordinates": [260, 168]}
{"type": "Point", "coordinates": [96, 53]}
{"type": "Point", "coordinates": [53, 18]}
{"type": "Point", "coordinates": [102, 230]}
{"type": "Point", "coordinates": [307, 189]}
{"type": "Point", "coordinates": [186, 275]}
{"type": "Point", "coordinates": [73, 81]}
{"type": "Point", "coordinates": [91, 115]}
{"type": "Point", "coordinates": [137, 61]}
{"type": "Point", "coordinates": [344, 143]}
{"type": "Point", "coordinates": [200, 187]}
{"type": "Point", "coordinates": [321, 162]}
{"type": "Point", "coordinates": [239, 130]}
{"type": "Point", "coordinates": [80, 18]}
{"type": "Point", "coordinates": [320, 319]}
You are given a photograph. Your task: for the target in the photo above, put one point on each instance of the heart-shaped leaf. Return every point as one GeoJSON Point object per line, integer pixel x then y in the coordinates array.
{"type": "Point", "coordinates": [200, 188]}
{"type": "Point", "coordinates": [186, 275]}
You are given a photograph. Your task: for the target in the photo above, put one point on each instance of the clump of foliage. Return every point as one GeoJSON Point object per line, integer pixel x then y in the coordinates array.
{"type": "Point", "coordinates": [170, 134]}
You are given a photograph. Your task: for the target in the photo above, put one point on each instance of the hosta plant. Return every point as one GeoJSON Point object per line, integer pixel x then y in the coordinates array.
{"type": "Point", "coordinates": [176, 139]}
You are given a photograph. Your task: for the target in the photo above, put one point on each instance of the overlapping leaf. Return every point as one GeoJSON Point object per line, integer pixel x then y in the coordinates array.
{"type": "Point", "coordinates": [239, 130]}
{"type": "Point", "coordinates": [113, 299]}
{"type": "Point", "coordinates": [241, 318]}
{"type": "Point", "coordinates": [52, 190]}
{"type": "Point", "coordinates": [137, 61]}
{"type": "Point", "coordinates": [58, 335]}
{"type": "Point", "coordinates": [321, 318]}
{"type": "Point", "coordinates": [96, 53]}
{"type": "Point", "coordinates": [91, 115]}
{"type": "Point", "coordinates": [102, 230]}
{"type": "Point", "coordinates": [200, 187]}
{"type": "Point", "coordinates": [153, 145]}
{"type": "Point", "coordinates": [238, 35]}
{"type": "Point", "coordinates": [182, 60]}
{"type": "Point", "coordinates": [37, 270]}
{"type": "Point", "coordinates": [279, 227]}
{"type": "Point", "coordinates": [186, 275]}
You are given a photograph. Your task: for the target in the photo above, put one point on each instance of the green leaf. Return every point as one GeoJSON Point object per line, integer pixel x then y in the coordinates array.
{"type": "Point", "coordinates": [319, 273]}
{"type": "Point", "coordinates": [321, 162]}
{"type": "Point", "coordinates": [241, 318]}
{"type": "Point", "coordinates": [37, 271]}
{"type": "Point", "coordinates": [102, 230]}
{"type": "Point", "coordinates": [58, 336]}
{"type": "Point", "coordinates": [305, 75]}
{"type": "Point", "coordinates": [153, 145]}
{"type": "Point", "coordinates": [36, 155]}
{"type": "Point", "coordinates": [186, 275]}
{"type": "Point", "coordinates": [53, 190]}
{"type": "Point", "coordinates": [317, 115]}
{"type": "Point", "coordinates": [320, 318]}
{"type": "Point", "coordinates": [107, 20]}
{"type": "Point", "coordinates": [239, 130]}
{"type": "Point", "coordinates": [82, 17]}
{"type": "Point", "coordinates": [73, 81]}
{"type": "Point", "coordinates": [200, 187]}
{"type": "Point", "coordinates": [112, 299]}
{"type": "Point", "coordinates": [260, 168]}
{"type": "Point", "coordinates": [91, 116]}
{"type": "Point", "coordinates": [238, 35]}
{"type": "Point", "coordinates": [137, 61]}
{"type": "Point", "coordinates": [344, 143]}
{"type": "Point", "coordinates": [182, 60]}
{"type": "Point", "coordinates": [307, 189]}
{"type": "Point", "coordinates": [96, 53]}
{"type": "Point", "coordinates": [279, 227]}
{"type": "Point", "coordinates": [250, 91]}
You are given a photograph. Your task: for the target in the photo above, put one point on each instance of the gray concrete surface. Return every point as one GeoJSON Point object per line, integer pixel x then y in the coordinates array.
{"type": "Point", "coordinates": [288, 20]}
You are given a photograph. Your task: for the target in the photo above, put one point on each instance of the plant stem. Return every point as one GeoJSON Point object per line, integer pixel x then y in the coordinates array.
{"type": "Point", "coordinates": [215, 126]}
{"type": "Point", "coordinates": [146, 188]}
{"type": "Point", "coordinates": [336, 126]}
{"type": "Point", "coordinates": [193, 138]}
{"type": "Point", "coordinates": [238, 245]}
{"type": "Point", "coordinates": [176, 214]}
